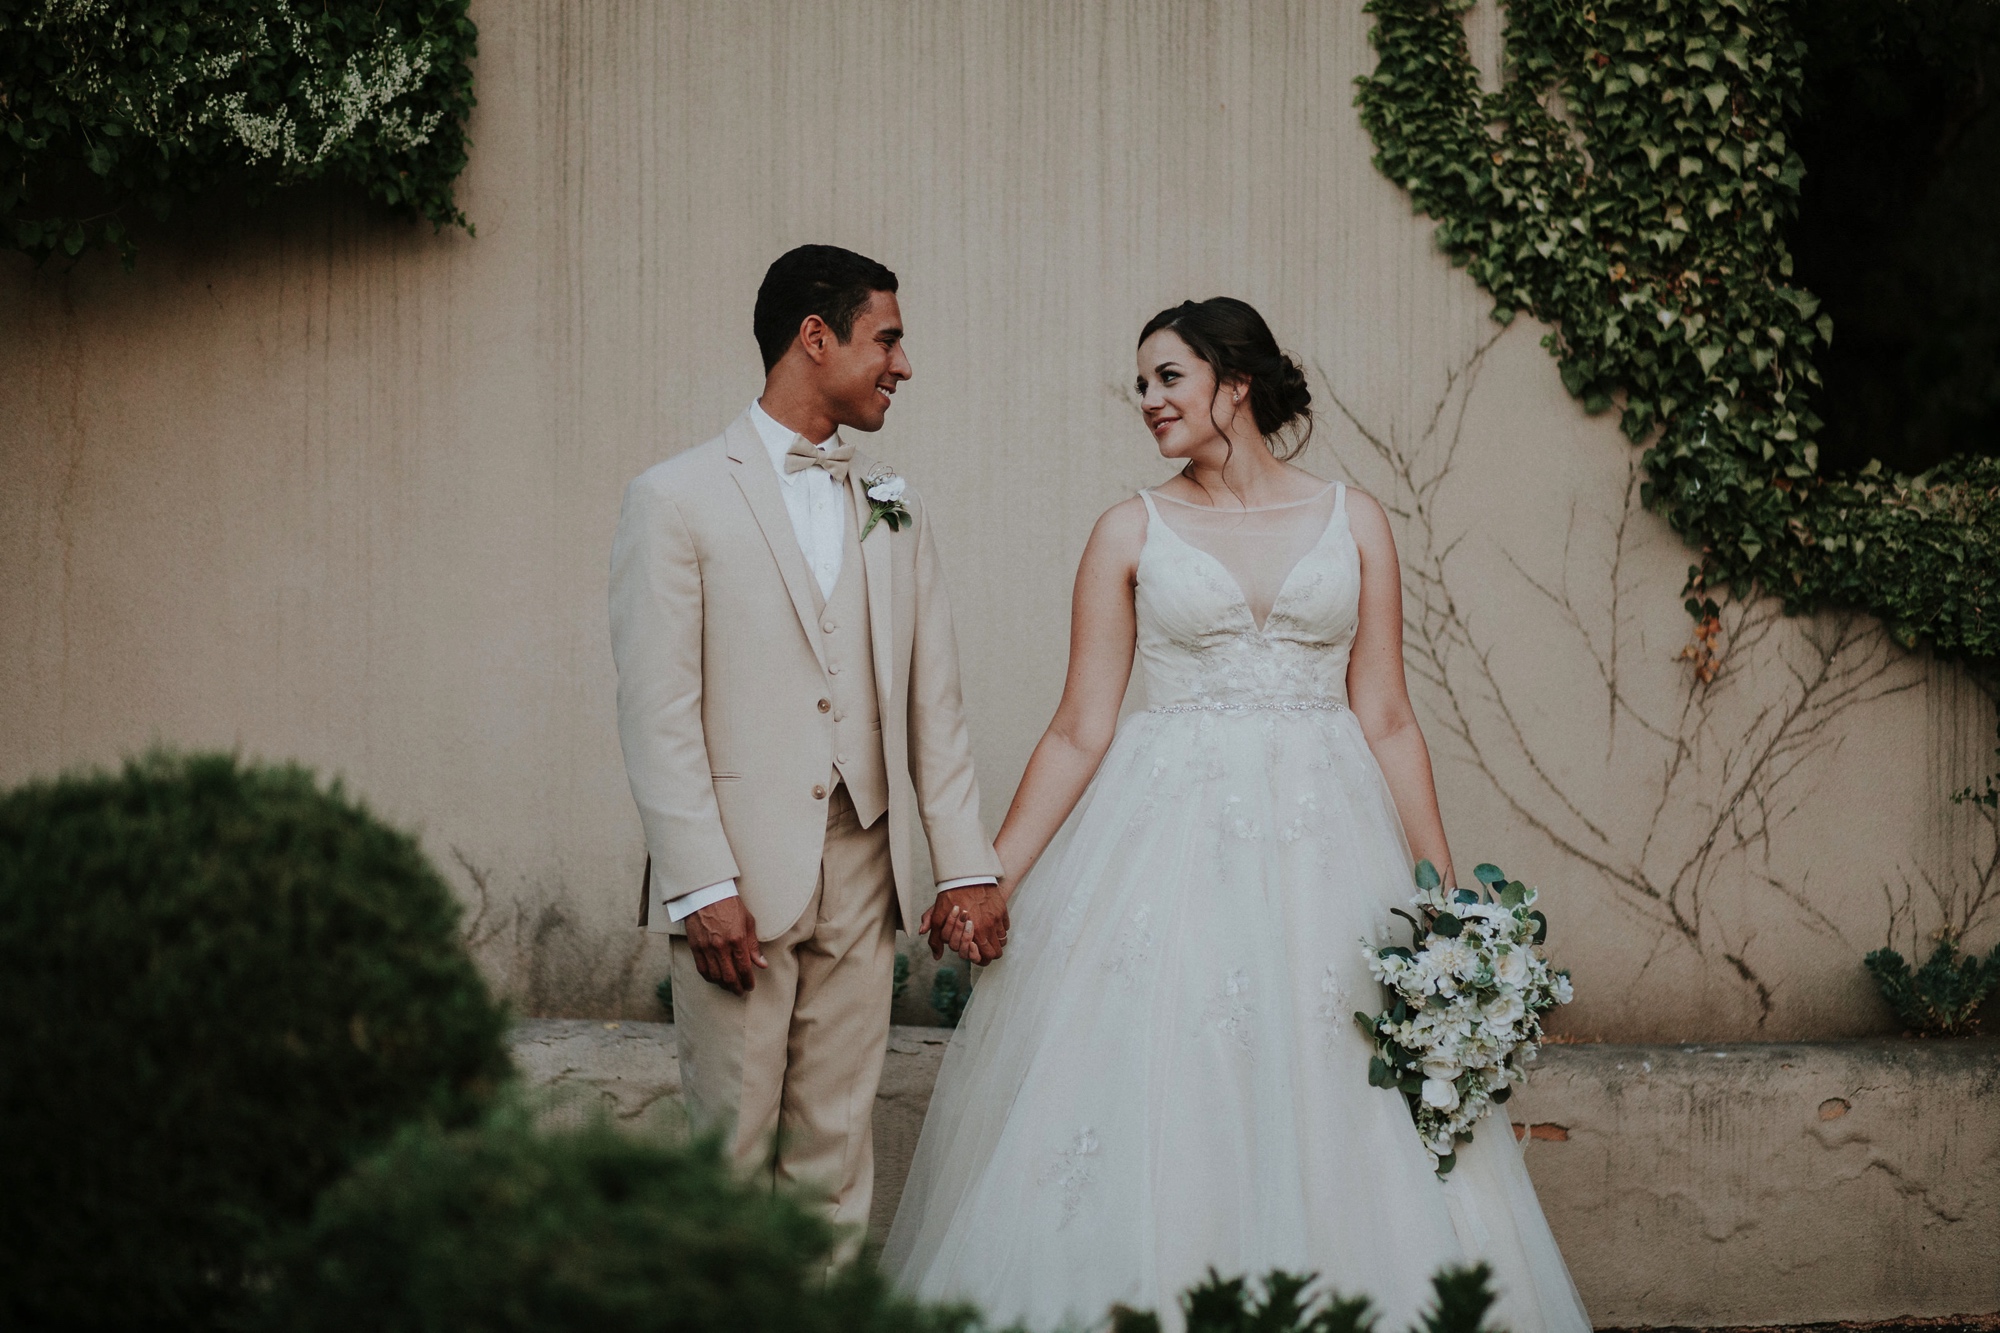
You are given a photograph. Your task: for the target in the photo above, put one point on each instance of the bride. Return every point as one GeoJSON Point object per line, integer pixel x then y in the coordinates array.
{"type": "Point", "coordinates": [1163, 1074]}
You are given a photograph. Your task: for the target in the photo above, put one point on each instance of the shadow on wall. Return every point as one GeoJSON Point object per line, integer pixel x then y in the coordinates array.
{"type": "Point", "coordinates": [539, 951]}
{"type": "Point", "coordinates": [551, 958]}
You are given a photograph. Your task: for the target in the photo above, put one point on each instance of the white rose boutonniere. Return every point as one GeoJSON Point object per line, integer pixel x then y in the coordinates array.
{"type": "Point", "coordinates": [885, 501]}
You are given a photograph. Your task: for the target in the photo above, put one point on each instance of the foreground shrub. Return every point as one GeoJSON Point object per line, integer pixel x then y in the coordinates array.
{"type": "Point", "coordinates": [220, 986]}
{"type": "Point", "coordinates": [502, 1228]}
{"type": "Point", "coordinates": [1941, 998]}
{"type": "Point", "coordinates": [1229, 1305]}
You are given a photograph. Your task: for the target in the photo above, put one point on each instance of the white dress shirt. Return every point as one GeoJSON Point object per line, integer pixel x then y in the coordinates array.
{"type": "Point", "coordinates": [815, 501]}
{"type": "Point", "coordinates": [817, 505]}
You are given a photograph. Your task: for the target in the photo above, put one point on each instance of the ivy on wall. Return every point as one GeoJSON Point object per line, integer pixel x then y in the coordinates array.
{"type": "Point", "coordinates": [112, 108]}
{"type": "Point", "coordinates": [1630, 185]}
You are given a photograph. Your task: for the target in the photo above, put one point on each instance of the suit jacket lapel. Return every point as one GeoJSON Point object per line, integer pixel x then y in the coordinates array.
{"type": "Point", "coordinates": [879, 563]}
{"type": "Point", "coordinates": [759, 484]}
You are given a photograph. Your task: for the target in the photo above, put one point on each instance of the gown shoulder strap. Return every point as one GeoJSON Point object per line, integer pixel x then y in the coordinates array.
{"type": "Point", "coordinates": [1340, 497]}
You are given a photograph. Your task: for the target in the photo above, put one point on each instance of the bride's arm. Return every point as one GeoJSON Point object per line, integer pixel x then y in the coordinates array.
{"type": "Point", "coordinates": [1103, 628]}
{"type": "Point", "coordinates": [1378, 692]}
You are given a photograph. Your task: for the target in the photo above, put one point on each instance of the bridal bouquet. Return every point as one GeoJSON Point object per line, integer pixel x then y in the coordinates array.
{"type": "Point", "coordinates": [1468, 998]}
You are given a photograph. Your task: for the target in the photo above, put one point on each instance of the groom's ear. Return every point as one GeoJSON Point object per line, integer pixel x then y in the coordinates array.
{"type": "Point", "coordinates": [815, 338]}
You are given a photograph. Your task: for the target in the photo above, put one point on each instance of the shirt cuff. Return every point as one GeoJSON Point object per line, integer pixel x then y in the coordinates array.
{"type": "Point", "coordinates": [689, 903]}
{"type": "Point", "coordinates": [965, 883]}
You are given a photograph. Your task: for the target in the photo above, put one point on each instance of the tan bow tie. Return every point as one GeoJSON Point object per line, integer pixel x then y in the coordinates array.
{"type": "Point", "coordinates": [834, 457]}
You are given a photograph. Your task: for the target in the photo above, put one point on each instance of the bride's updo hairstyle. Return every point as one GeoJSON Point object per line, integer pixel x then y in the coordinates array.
{"type": "Point", "coordinates": [1237, 344]}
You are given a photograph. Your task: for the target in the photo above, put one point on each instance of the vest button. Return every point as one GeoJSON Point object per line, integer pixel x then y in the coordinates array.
{"type": "Point", "coordinates": [829, 627]}
{"type": "Point", "coordinates": [833, 670]}
{"type": "Point", "coordinates": [825, 705]}
{"type": "Point", "coordinates": [819, 792]}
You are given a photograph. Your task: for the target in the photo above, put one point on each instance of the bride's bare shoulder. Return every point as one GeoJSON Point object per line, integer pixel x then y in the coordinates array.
{"type": "Point", "coordinates": [1120, 532]}
{"type": "Point", "coordinates": [1369, 523]}
{"type": "Point", "coordinates": [1361, 504]}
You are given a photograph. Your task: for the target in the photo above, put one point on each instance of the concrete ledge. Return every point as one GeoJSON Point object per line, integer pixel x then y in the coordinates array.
{"type": "Point", "coordinates": [1695, 1186]}
{"type": "Point", "coordinates": [1764, 1184]}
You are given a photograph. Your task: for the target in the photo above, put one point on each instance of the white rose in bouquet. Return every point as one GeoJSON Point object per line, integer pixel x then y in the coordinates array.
{"type": "Point", "coordinates": [1504, 1012]}
{"type": "Point", "coordinates": [1444, 1069]}
{"type": "Point", "coordinates": [1441, 1094]}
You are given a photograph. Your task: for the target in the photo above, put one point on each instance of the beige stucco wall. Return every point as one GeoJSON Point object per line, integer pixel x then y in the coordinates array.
{"type": "Point", "coordinates": [316, 484]}
{"type": "Point", "coordinates": [1689, 1186]}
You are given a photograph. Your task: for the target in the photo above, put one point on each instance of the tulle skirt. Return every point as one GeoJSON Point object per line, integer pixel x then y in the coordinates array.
{"type": "Point", "coordinates": [1163, 1075]}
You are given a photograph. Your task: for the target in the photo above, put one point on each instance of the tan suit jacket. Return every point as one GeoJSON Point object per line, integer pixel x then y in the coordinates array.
{"type": "Point", "coordinates": [722, 683]}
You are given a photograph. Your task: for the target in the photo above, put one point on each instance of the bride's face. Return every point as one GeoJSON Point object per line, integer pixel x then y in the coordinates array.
{"type": "Point", "coordinates": [1177, 396]}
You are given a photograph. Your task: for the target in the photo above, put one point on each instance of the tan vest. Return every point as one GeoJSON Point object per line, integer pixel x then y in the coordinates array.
{"type": "Point", "coordinates": [850, 667]}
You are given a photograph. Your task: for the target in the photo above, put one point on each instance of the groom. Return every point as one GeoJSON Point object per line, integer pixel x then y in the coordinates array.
{"type": "Point", "coordinates": [788, 703]}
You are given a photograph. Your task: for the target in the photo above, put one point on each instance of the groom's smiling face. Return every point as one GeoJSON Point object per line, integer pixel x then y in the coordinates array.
{"type": "Point", "coordinates": [858, 377]}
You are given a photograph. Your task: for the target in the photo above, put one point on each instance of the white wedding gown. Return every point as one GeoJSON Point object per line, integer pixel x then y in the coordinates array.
{"type": "Point", "coordinates": [1163, 1073]}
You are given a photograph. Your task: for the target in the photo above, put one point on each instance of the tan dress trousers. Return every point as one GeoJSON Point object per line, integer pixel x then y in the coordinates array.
{"type": "Point", "coordinates": [789, 1071]}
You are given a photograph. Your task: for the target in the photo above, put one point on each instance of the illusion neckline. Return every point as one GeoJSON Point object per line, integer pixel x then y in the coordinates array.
{"type": "Point", "coordinates": [1260, 628]}
{"type": "Point", "coordinates": [1316, 496]}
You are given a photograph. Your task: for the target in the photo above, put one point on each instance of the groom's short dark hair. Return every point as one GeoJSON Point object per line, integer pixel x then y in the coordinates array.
{"type": "Point", "coordinates": [822, 280]}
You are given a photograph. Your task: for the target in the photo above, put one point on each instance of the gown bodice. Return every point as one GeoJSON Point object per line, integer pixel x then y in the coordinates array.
{"type": "Point", "coordinates": [1202, 573]}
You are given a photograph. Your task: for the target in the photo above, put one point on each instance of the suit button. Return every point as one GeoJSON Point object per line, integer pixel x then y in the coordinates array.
{"type": "Point", "coordinates": [833, 670]}
{"type": "Point", "coordinates": [825, 705]}
{"type": "Point", "coordinates": [819, 792]}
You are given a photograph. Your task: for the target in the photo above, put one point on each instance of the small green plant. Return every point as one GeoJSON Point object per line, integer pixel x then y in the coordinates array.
{"type": "Point", "coordinates": [220, 986]}
{"type": "Point", "coordinates": [664, 993]}
{"type": "Point", "coordinates": [1229, 1305]}
{"type": "Point", "coordinates": [902, 982]}
{"type": "Point", "coordinates": [1941, 998]}
{"type": "Point", "coordinates": [949, 995]}
{"type": "Point", "coordinates": [506, 1229]}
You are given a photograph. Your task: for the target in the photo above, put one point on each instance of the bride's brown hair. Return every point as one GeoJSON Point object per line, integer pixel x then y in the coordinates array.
{"type": "Point", "coordinates": [1237, 344]}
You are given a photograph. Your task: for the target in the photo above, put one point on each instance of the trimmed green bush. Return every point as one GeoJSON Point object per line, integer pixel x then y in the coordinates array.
{"type": "Point", "coordinates": [502, 1228]}
{"type": "Point", "coordinates": [220, 986]}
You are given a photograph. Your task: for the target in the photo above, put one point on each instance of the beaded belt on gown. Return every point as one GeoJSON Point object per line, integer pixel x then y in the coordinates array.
{"type": "Point", "coordinates": [1314, 705]}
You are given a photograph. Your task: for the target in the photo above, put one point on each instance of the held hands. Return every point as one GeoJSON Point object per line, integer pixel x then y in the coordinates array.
{"type": "Point", "coordinates": [724, 939]}
{"type": "Point", "coordinates": [971, 922]}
